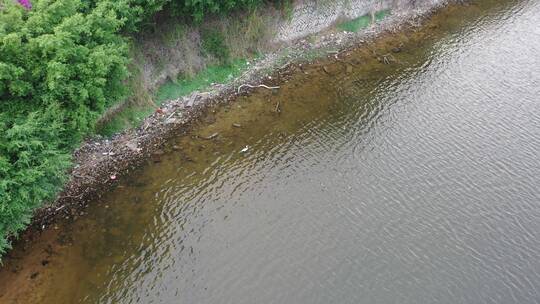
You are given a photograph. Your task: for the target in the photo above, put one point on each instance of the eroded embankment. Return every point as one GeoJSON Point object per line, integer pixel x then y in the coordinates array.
{"type": "Point", "coordinates": [101, 163]}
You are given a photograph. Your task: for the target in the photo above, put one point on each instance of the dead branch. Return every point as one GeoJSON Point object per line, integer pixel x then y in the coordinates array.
{"type": "Point", "coordinates": [278, 109]}
{"type": "Point", "coordinates": [257, 86]}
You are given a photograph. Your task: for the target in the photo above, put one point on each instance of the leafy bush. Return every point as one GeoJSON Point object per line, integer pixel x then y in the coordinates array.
{"type": "Point", "coordinates": [61, 64]}
{"type": "Point", "coordinates": [32, 160]}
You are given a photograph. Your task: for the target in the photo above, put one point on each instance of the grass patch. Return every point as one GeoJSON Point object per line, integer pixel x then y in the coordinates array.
{"type": "Point", "coordinates": [212, 74]}
{"type": "Point", "coordinates": [356, 24]}
{"type": "Point", "coordinates": [380, 15]}
{"type": "Point", "coordinates": [362, 22]}
{"type": "Point", "coordinates": [133, 115]}
{"type": "Point", "coordinates": [286, 8]}
{"type": "Point", "coordinates": [129, 117]}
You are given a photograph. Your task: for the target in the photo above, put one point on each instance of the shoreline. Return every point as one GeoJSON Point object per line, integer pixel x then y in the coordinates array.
{"type": "Point", "coordinates": [100, 163]}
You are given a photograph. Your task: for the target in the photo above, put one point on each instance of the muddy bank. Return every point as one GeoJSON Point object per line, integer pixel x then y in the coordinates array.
{"type": "Point", "coordinates": [100, 163]}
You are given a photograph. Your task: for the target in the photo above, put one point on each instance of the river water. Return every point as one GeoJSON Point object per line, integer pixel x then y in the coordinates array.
{"type": "Point", "coordinates": [416, 181]}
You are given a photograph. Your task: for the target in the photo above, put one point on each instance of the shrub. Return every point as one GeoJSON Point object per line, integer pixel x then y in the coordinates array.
{"type": "Point", "coordinates": [32, 162]}
{"type": "Point", "coordinates": [61, 64]}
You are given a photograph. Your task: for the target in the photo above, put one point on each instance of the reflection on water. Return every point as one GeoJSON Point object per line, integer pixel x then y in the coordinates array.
{"type": "Point", "coordinates": [413, 182]}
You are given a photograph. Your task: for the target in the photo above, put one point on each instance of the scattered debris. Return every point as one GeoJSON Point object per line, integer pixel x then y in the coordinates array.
{"type": "Point", "coordinates": [245, 149]}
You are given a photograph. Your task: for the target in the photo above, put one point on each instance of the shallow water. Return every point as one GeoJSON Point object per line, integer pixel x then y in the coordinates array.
{"type": "Point", "coordinates": [416, 181]}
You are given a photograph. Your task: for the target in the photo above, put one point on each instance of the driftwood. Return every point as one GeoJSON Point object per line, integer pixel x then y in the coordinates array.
{"type": "Point", "coordinates": [278, 108]}
{"type": "Point", "coordinates": [257, 86]}
{"type": "Point", "coordinates": [174, 112]}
